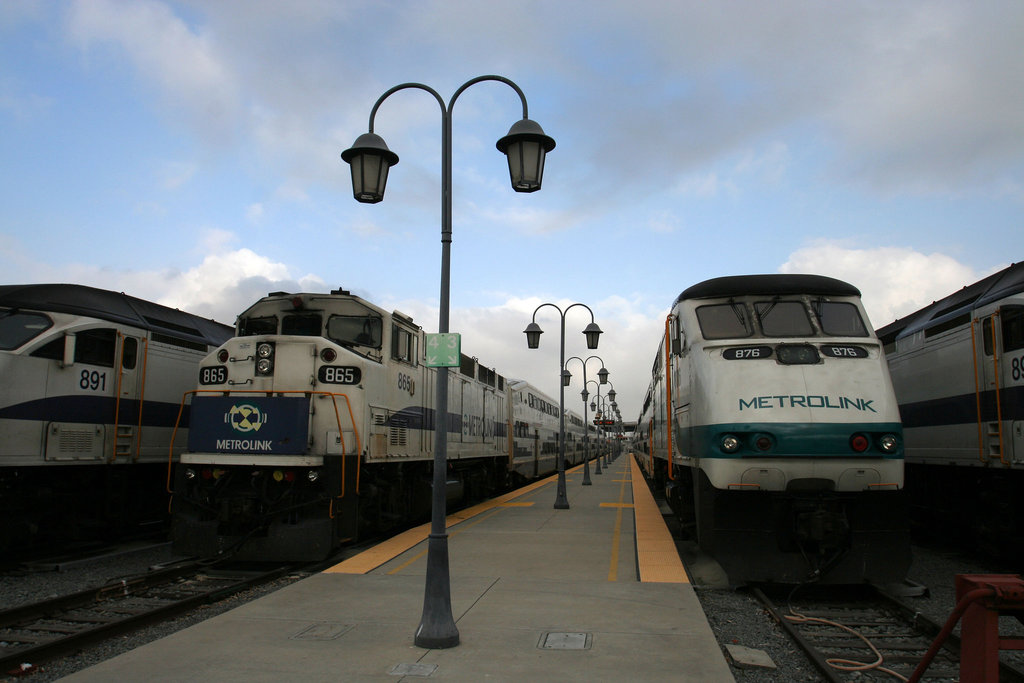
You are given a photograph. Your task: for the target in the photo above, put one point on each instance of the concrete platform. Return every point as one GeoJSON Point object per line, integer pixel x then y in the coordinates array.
{"type": "Point", "coordinates": [590, 593]}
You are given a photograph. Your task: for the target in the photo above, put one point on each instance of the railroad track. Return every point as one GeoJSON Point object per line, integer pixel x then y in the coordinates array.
{"type": "Point", "coordinates": [40, 631]}
{"type": "Point", "coordinates": [864, 634]}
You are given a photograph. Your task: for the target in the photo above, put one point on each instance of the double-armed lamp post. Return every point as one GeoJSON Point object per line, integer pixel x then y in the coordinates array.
{"type": "Point", "coordinates": [525, 146]}
{"type": "Point", "coordinates": [603, 375]}
{"type": "Point", "coordinates": [593, 334]}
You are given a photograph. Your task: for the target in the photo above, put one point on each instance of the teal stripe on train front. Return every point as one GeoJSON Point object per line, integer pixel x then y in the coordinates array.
{"type": "Point", "coordinates": [793, 439]}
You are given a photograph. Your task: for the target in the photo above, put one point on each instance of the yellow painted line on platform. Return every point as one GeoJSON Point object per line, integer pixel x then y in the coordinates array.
{"type": "Point", "coordinates": [616, 505]}
{"type": "Point", "coordinates": [613, 564]}
{"type": "Point", "coordinates": [656, 554]}
{"type": "Point", "coordinates": [384, 552]}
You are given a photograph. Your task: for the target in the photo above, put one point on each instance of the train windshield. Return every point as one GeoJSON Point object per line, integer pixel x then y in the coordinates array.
{"type": "Point", "coordinates": [724, 321]}
{"type": "Point", "coordinates": [783, 318]}
{"type": "Point", "coordinates": [16, 327]}
{"type": "Point", "coordinates": [252, 326]}
{"type": "Point", "coordinates": [356, 330]}
{"type": "Point", "coordinates": [840, 319]}
{"type": "Point", "coordinates": [303, 324]}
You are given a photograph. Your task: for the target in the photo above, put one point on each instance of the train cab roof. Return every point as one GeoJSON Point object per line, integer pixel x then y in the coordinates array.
{"type": "Point", "coordinates": [768, 284]}
{"type": "Point", "coordinates": [952, 309]}
{"type": "Point", "coordinates": [115, 307]}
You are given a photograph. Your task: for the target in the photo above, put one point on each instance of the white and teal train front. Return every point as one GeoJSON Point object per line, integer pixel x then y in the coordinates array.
{"type": "Point", "coordinates": [785, 450]}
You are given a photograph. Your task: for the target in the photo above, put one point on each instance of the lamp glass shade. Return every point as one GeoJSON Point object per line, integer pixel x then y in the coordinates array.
{"type": "Point", "coordinates": [593, 334]}
{"type": "Point", "coordinates": [602, 375]}
{"type": "Point", "coordinates": [566, 378]}
{"type": "Point", "coordinates": [533, 333]}
{"type": "Point", "coordinates": [370, 160]}
{"type": "Point", "coordinates": [369, 178]}
{"type": "Point", "coordinates": [526, 147]}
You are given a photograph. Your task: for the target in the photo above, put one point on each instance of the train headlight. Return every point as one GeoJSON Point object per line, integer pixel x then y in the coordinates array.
{"type": "Point", "coordinates": [312, 476]}
{"type": "Point", "coordinates": [730, 444]}
{"type": "Point", "coordinates": [859, 443]}
{"type": "Point", "coordinates": [223, 355]}
{"type": "Point", "coordinates": [190, 474]}
{"type": "Point", "coordinates": [264, 358]}
{"type": "Point", "coordinates": [762, 442]}
{"type": "Point", "coordinates": [328, 355]}
{"type": "Point", "coordinates": [888, 443]}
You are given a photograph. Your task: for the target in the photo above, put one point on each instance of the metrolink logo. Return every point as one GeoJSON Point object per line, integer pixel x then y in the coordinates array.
{"type": "Point", "coordinates": [245, 418]}
{"type": "Point", "coordinates": [835, 402]}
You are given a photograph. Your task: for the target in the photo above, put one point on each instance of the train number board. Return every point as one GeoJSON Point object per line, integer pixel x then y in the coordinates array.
{"type": "Point", "coordinates": [444, 350]}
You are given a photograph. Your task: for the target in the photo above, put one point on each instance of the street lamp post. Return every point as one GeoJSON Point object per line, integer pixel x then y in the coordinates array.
{"type": "Point", "coordinates": [525, 146]}
{"type": "Point", "coordinates": [533, 332]}
{"type": "Point", "coordinates": [585, 394]}
{"type": "Point", "coordinates": [607, 406]}
{"type": "Point", "coordinates": [603, 374]}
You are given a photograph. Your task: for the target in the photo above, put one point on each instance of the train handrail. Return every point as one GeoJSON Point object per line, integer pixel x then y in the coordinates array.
{"type": "Point", "coordinates": [650, 442]}
{"type": "Point", "coordinates": [137, 436]}
{"type": "Point", "coordinates": [995, 380]}
{"type": "Point", "coordinates": [337, 416]}
{"type": "Point", "coordinates": [669, 417]}
{"type": "Point", "coordinates": [977, 389]}
{"type": "Point", "coordinates": [142, 397]}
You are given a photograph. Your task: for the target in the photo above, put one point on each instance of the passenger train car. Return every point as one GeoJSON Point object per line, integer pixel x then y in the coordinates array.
{"type": "Point", "coordinates": [958, 369]}
{"type": "Point", "coordinates": [92, 382]}
{"type": "Point", "coordinates": [771, 422]}
{"type": "Point", "coordinates": [315, 423]}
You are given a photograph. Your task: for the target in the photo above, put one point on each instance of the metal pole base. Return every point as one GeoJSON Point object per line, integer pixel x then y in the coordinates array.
{"type": "Point", "coordinates": [561, 501]}
{"type": "Point", "coordinates": [437, 629]}
{"type": "Point", "coordinates": [586, 473]}
{"type": "Point", "coordinates": [597, 469]}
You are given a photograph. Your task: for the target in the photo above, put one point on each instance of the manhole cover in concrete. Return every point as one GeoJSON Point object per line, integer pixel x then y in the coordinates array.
{"type": "Point", "coordinates": [560, 640]}
{"type": "Point", "coordinates": [414, 669]}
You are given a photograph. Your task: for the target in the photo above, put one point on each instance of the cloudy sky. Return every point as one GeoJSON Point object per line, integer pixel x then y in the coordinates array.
{"type": "Point", "coordinates": [188, 153]}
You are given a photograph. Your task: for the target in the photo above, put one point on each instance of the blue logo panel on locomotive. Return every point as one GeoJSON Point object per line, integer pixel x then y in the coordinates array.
{"type": "Point", "coordinates": [249, 424]}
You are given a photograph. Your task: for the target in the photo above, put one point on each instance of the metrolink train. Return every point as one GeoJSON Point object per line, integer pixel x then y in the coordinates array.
{"type": "Point", "coordinates": [772, 425]}
{"type": "Point", "coordinates": [315, 423]}
{"type": "Point", "coordinates": [958, 369]}
{"type": "Point", "coordinates": [92, 382]}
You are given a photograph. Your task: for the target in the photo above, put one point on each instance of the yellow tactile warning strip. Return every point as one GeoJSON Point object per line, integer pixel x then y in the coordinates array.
{"type": "Point", "coordinates": [657, 558]}
{"type": "Point", "coordinates": [370, 559]}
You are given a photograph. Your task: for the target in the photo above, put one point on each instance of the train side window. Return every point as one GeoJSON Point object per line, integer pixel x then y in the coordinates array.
{"type": "Point", "coordinates": [403, 345]}
{"type": "Point", "coordinates": [986, 335]}
{"type": "Point", "coordinates": [360, 330]}
{"type": "Point", "coordinates": [129, 353]}
{"type": "Point", "coordinates": [51, 350]}
{"type": "Point", "coordinates": [17, 328]}
{"type": "Point", "coordinates": [1012, 318]}
{"type": "Point", "coordinates": [96, 347]}
{"type": "Point", "coordinates": [840, 319]}
{"type": "Point", "coordinates": [723, 321]}
{"type": "Point", "coordinates": [783, 318]}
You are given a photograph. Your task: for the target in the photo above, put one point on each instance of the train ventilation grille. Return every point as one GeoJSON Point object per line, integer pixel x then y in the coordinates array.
{"type": "Point", "coordinates": [397, 432]}
{"type": "Point", "coordinates": [76, 440]}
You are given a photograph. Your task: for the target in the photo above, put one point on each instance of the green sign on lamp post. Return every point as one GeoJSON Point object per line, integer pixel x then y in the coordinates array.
{"type": "Point", "coordinates": [444, 350]}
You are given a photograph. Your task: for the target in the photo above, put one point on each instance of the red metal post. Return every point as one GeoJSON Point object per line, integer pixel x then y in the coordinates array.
{"type": "Point", "coordinates": [980, 640]}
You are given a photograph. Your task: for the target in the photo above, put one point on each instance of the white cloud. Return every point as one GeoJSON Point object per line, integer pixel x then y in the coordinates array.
{"type": "Point", "coordinates": [893, 281]}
